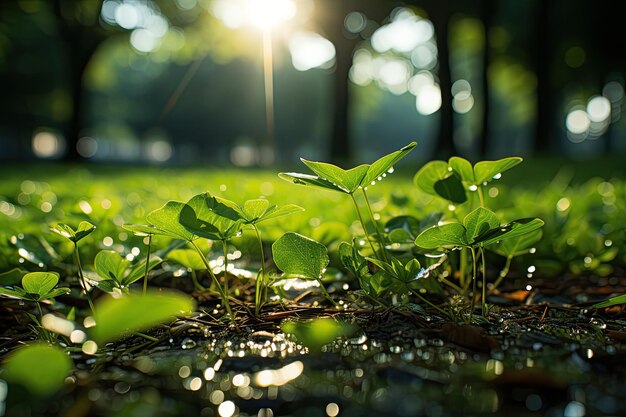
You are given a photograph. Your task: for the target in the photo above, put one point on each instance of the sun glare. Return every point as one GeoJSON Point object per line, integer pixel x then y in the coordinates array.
{"type": "Point", "coordinates": [266, 14]}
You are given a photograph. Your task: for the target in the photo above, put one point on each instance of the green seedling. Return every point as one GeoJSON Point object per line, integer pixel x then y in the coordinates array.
{"type": "Point", "coordinates": [254, 212]}
{"type": "Point", "coordinates": [480, 228]}
{"type": "Point", "coordinates": [117, 272]}
{"type": "Point", "coordinates": [334, 178]}
{"type": "Point", "coordinates": [299, 256]}
{"type": "Point", "coordinates": [453, 180]}
{"type": "Point", "coordinates": [83, 230]}
{"type": "Point", "coordinates": [36, 287]}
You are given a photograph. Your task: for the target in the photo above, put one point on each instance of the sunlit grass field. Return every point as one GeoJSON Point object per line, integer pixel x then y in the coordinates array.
{"type": "Point", "coordinates": [582, 203]}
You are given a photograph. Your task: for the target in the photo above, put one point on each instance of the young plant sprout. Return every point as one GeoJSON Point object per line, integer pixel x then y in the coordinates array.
{"type": "Point", "coordinates": [334, 178]}
{"type": "Point", "coordinates": [36, 287]}
{"type": "Point", "coordinates": [84, 229]}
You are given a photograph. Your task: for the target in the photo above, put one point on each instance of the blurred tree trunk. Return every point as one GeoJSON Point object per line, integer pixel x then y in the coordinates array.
{"type": "Point", "coordinates": [331, 16]}
{"type": "Point", "coordinates": [543, 50]}
{"type": "Point", "coordinates": [440, 13]}
{"type": "Point", "coordinates": [487, 14]}
{"type": "Point", "coordinates": [81, 41]}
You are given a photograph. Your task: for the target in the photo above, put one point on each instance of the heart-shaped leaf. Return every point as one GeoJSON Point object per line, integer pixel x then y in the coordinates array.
{"type": "Point", "coordinates": [447, 235]}
{"type": "Point", "coordinates": [436, 178]}
{"type": "Point", "coordinates": [347, 180]}
{"type": "Point", "coordinates": [463, 168]}
{"type": "Point", "coordinates": [478, 222]}
{"type": "Point", "coordinates": [485, 171]}
{"type": "Point", "coordinates": [39, 367]}
{"type": "Point", "coordinates": [298, 255]}
{"type": "Point", "coordinates": [211, 217]}
{"type": "Point", "coordinates": [39, 283]}
{"type": "Point", "coordinates": [138, 270]}
{"type": "Point", "coordinates": [384, 164]}
{"type": "Point", "coordinates": [188, 258]}
{"type": "Point", "coordinates": [117, 317]}
{"type": "Point", "coordinates": [166, 221]}
{"type": "Point", "coordinates": [111, 265]}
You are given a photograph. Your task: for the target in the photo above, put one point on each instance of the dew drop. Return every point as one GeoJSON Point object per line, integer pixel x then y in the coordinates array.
{"type": "Point", "coordinates": [188, 343]}
{"type": "Point", "coordinates": [473, 187]}
{"type": "Point", "coordinates": [497, 176]}
{"type": "Point", "coordinates": [390, 170]}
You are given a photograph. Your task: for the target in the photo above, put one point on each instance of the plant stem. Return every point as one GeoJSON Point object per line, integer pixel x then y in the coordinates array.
{"type": "Point", "coordinates": [82, 279]}
{"type": "Point", "coordinates": [145, 278]}
{"type": "Point", "coordinates": [367, 236]}
{"type": "Point", "coordinates": [380, 238]}
{"type": "Point", "coordinates": [504, 272]}
{"type": "Point", "coordinates": [194, 280]}
{"type": "Point", "coordinates": [225, 250]}
{"type": "Point", "coordinates": [481, 197]}
{"type": "Point", "coordinates": [473, 282]}
{"type": "Point", "coordinates": [326, 293]}
{"type": "Point", "coordinates": [215, 280]}
{"type": "Point", "coordinates": [451, 285]}
{"type": "Point", "coordinates": [462, 265]}
{"type": "Point", "coordinates": [484, 272]}
{"type": "Point", "coordinates": [259, 295]}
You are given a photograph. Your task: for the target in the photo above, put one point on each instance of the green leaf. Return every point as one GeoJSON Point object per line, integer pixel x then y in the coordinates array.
{"type": "Point", "coordinates": [316, 333]}
{"type": "Point", "coordinates": [84, 229]}
{"type": "Point", "coordinates": [352, 260]}
{"type": "Point", "coordinates": [276, 211]}
{"type": "Point", "coordinates": [117, 317]}
{"type": "Point", "coordinates": [17, 292]}
{"type": "Point", "coordinates": [188, 258]}
{"type": "Point", "coordinates": [39, 283]}
{"type": "Point", "coordinates": [347, 180]}
{"type": "Point", "coordinates": [444, 236]}
{"type": "Point", "coordinates": [511, 230]}
{"type": "Point", "coordinates": [381, 166]}
{"type": "Point", "coordinates": [306, 179]}
{"type": "Point", "coordinates": [35, 249]}
{"type": "Point", "coordinates": [485, 171]}
{"type": "Point", "coordinates": [519, 245]}
{"type": "Point", "coordinates": [463, 168]}
{"type": "Point", "coordinates": [620, 299]}
{"type": "Point", "coordinates": [166, 221]}
{"type": "Point", "coordinates": [55, 293]}
{"type": "Point", "coordinates": [143, 229]}
{"type": "Point", "coordinates": [138, 270]}
{"type": "Point", "coordinates": [253, 210]}
{"type": "Point", "coordinates": [211, 217]}
{"type": "Point", "coordinates": [478, 222]}
{"type": "Point", "coordinates": [12, 277]}
{"type": "Point", "coordinates": [38, 367]}
{"type": "Point", "coordinates": [429, 174]}
{"type": "Point", "coordinates": [295, 254]}
{"type": "Point", "coordinates": [110, 265]}
{"type": "Point", "coordinates": [451, 188]}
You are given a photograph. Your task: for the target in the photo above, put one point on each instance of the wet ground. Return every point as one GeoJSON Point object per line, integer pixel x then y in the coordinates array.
{"type": "Point", "coordinates": [537, 353]}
